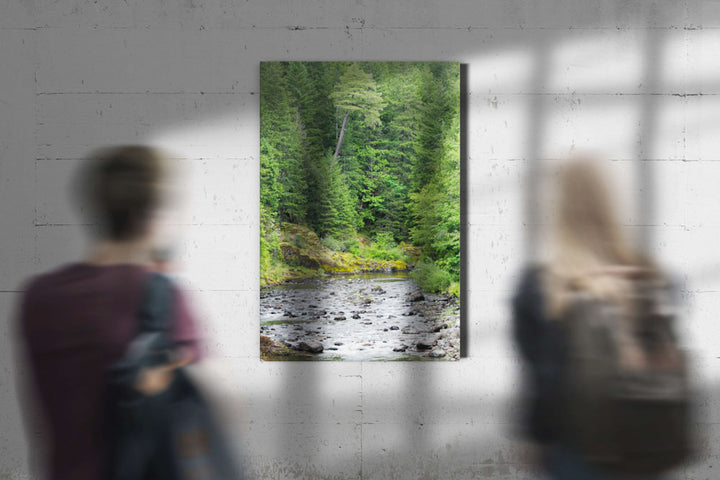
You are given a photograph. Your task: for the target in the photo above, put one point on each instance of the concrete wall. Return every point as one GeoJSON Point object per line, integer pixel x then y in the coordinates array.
{"type": "Point", "coordinates": [633, 79]}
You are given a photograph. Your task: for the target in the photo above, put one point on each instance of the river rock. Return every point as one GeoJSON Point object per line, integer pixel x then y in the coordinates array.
{"type": "Point", "coordinates": [310, 346]}
{"type": "Point", "coordinates": [401, 348]}
{"type": "Point", "coordinates": [438, 353]}
{"type": "Point", "coordinates": [417, 297]}
{"type": "Point", "coordinates": [340, 318]}
{"type": "Point", "coordinates": [356, 316]}
{"type": "Point", "coordinates": [426, 343]}
{"type": "Point", "coordinates": [339, 344]}
{"type": "Point", "coordinates": [394, 327]}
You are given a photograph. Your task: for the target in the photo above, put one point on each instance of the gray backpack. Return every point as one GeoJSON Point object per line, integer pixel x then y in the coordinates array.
{"type": "Point", "coordinates": [627, 398]}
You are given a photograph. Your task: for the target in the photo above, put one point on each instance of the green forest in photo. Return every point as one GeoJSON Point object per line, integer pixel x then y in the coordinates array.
{"type": "Point", "coordinates": [360, 170]}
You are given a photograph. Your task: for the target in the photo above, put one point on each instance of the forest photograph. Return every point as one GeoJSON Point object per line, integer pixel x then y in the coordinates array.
{"type": "Point", "coordinates": [360, 211]}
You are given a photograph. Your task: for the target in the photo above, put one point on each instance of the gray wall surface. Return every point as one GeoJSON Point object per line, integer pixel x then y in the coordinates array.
{"type": "Point", "coordinates": [638, 81]}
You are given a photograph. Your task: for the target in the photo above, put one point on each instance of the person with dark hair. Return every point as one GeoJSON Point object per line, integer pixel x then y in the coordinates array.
{"type": "Point", "coordinates": [76, 321]}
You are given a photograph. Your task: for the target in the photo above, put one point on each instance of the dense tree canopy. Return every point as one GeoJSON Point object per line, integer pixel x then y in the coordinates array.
{"type": "Point", "coordinates": [363, 148]}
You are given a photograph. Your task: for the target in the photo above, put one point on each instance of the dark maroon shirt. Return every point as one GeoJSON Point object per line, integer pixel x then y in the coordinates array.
{"type": "Point", "coordinates": [74, 323]}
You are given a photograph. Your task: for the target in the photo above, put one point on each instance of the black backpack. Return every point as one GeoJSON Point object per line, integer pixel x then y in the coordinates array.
{"type": "Point", "coordinates": [169, 436]}
{"type": "Point", "coordinates": [626, 395]}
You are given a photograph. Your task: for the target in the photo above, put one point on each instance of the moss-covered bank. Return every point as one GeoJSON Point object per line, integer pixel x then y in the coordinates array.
{"type": "Point", "coordinates": [304, 255]}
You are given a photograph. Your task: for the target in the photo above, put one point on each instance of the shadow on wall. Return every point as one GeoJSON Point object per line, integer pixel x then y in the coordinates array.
{"type": "Point", "coordinates": [532, 95]}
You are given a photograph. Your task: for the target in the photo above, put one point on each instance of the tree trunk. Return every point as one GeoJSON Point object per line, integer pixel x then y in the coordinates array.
{"type": "Point", "coordinates": [342, 134]}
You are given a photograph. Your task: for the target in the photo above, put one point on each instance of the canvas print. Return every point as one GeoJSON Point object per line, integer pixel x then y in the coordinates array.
{"type": "Point", "coordinates": [360, 211]}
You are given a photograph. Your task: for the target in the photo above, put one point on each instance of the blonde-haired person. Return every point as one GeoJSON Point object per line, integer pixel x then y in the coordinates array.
{"type": "Point", "coordinates": [589, 253]}
{"type": "Point", "coordinates": [77, 320]}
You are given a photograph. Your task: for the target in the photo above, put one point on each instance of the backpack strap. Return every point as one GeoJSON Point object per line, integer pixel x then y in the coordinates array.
{"type": "Point", "coordinates": [152, 344]}
{"type": "Point", "coordinates": [156, 307]}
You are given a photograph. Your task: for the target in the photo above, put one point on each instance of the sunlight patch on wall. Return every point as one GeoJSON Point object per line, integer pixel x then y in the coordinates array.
{"type": "Point", "coordinates": [500, 72]}
{"type": "Point", "coordinates": [231, 134]}
{"type": "Point", "coordinates": [590, 61]}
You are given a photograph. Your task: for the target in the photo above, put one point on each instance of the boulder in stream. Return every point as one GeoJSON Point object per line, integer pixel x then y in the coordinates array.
{"type": "Point", "coordinates": [311, 346]}
{"type": "Point", "coordinates": [417, 297]}
{"type": "Point", "coordinates": [438, 353]}
{"type": "Point", "coordinates": [401, 348]}
{"type": "Point", "coordinates": [426, 343]}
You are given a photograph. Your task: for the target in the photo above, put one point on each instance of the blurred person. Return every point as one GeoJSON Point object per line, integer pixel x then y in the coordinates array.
{"type": "Point", "coordinates": [74, 322]}
{"type": "Point", "coordinates": [590, 291]}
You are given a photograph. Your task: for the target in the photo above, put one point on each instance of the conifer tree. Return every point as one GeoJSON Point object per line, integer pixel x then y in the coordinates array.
{"type": "Point", "coordinates": [356, 93]}
{"type": "Point", "coordinates": [281, 168]}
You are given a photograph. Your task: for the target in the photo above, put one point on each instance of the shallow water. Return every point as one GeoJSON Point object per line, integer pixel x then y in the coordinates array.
{"type": "Point", "coordinates": [356, 317]}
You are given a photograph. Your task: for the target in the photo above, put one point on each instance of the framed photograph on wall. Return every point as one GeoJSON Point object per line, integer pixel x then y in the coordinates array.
{"type": "Point", "coordinates": [360, 211]}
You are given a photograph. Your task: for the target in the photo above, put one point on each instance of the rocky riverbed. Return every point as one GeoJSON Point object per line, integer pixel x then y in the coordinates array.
{"type": "Point", "coordinates": [358, 318]}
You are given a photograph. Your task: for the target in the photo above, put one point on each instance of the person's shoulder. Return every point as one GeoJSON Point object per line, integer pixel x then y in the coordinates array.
{"type": "Point", "coordinates": [531, 276]}
{"type": "Point", "coordinates": [37, 290]}
{"type": "Point", "coordinates": [164, 280]}
{"type": "Point", "coordinates": [528, 288]}
{"type": "Point", "coordinates": [43, 280]}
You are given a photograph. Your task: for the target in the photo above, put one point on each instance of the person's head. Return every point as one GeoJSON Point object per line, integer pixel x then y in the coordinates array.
{"type": "Point", "coordinates": [586, 220]}
{"type": "Point", "coordinates": [588, 238]}
{"type": "Point", "coordinates": [122, 188]}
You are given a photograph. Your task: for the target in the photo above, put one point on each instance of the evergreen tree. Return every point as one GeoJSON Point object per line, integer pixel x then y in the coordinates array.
{"type": "Point", "coordinates": [435, 201]}
{"type": "Point", "coordinates": [356, 92]}
{"type": "Point", "coordinates": [281, 167]}
{"type": "Point", "coordinates": [434, 114]}
{"type": "Point", "coordinates": [362, 146]}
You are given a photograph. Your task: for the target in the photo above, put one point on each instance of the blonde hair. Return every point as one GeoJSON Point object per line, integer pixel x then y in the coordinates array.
{"type": "Point", "coordinates": [590, 253]}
